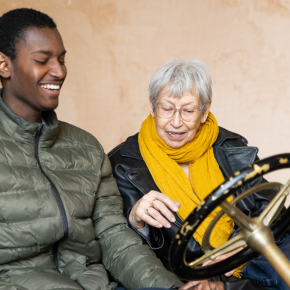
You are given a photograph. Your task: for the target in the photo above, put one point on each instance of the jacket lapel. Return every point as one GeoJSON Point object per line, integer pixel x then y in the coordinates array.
{"type": "Point", "coordinates": [139, 176]}
{"type": "Point", "coordinates": [142, 179]}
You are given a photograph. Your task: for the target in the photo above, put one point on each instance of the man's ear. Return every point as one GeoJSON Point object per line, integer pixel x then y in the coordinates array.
{"type": "Point", "coordinates": [4, 66]}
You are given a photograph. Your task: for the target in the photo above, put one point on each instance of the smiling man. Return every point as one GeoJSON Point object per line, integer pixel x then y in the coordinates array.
{"type": "Point", "coordinates": [33, 79]}
{"type": "Point", "coordinates": [61, 218]}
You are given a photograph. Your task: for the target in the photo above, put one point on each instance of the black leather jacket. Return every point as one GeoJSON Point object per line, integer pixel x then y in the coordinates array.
{"type": "Point", "coordinates": [134, 180]}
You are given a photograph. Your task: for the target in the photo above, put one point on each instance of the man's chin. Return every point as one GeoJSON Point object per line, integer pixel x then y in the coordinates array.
{"type": "Point", "coordinates": [50, 107]}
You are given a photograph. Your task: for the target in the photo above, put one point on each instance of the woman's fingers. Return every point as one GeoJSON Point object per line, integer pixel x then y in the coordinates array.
{"type": "Point", "coordinates": [222, 257]}
{"type": "Point", "coordinates": [161, 207]}
{"type": "Point", "coordinates": [154, 208]}
{"type": "Point", "coordinates": [208, 262]}
{"type": "Point", "coordinates": [229, 274]}
{"type": "Point", "coordinates": [157, 216]}
{"type": "Point", "coordinates": [155, 219]}
{"type": "Point", "coordinates": [145, 215]}
{"type": "Point", "coordinates": [168, 202]}
{"type": "Point", "coordinates": [163, 210]}
{"type": "Point", "coordinates": [143, 212]}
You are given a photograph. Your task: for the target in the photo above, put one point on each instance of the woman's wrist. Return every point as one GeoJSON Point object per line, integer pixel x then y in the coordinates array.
{"type": "Point", "coordinates": [137, 225]}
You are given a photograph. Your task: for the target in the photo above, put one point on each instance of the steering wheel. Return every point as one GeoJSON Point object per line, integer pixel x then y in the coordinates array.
{"type": "Point", "coordinates": [257, 233]}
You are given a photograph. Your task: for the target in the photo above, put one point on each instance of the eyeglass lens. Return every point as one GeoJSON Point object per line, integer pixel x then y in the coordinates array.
{"type": "Point", "coordinates": [166, 111]}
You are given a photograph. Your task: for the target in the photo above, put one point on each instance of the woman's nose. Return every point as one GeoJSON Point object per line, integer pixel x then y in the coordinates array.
{"type": "Point", "coordinates": [176, 121]}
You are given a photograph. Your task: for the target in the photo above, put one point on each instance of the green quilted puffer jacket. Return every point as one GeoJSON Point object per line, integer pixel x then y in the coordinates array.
{"type": "Point", "coordinates": [61, 215]}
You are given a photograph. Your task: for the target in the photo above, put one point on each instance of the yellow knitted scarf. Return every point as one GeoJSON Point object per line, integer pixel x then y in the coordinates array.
{"type": "Point", "coordinates": [204, 172]}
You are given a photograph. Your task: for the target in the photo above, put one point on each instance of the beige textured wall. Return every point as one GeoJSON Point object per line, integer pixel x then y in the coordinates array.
{"type": "Point", "coordinates": [114, 47]}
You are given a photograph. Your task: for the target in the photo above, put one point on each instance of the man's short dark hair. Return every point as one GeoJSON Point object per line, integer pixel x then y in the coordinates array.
{"type": "Point", "coordinates": [14, 24]}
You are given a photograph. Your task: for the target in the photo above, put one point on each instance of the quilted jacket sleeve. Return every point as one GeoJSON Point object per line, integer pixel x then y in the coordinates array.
{"type": "Point", "coordinates": [130, 262]}
{"type": "Point", "coordinates": [9, 286]}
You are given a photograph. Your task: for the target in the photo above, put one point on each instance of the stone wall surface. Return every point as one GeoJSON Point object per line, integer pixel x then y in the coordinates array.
{"type": "Point", "coordinates": [115, 46]}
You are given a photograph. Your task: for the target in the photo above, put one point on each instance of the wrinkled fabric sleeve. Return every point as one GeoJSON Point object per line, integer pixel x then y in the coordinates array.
{"type": "Point", "coordinates": [9, 286]}
{"type": "Point", "coordinates": [128, 260]}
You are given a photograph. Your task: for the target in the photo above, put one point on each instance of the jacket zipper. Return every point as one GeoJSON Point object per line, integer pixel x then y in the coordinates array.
{"type": "Point", "coordinates": [56, 196]}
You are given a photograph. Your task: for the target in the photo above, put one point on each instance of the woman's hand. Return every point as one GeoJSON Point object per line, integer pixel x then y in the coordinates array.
{"type": "Point", "coordinates": [203, 285]}
{"type": "Point", "coordinates": [155, 209]}
{"type": "Point", "coordinates": [222, 257]}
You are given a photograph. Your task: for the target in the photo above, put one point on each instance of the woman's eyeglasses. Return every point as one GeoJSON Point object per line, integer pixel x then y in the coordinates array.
{"type": "Point", "coordinates": [187, 113]}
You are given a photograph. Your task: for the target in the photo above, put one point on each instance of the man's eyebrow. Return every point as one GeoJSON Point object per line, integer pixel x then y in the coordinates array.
{"type": "Point", "coordinates": [48, 52]}
{"type": "Point", "coordinates": [63, 53]}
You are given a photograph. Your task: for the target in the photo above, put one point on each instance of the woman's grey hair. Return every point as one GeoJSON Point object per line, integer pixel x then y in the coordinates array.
{"type": "Point", "coordinates": [182, 77]}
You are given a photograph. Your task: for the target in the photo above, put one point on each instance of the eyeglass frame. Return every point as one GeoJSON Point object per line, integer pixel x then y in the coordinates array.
{"type": "Point", "coordinates": [178, 110]}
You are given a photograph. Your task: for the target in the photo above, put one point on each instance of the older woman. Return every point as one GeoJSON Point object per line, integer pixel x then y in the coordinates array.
{"type": "Point", "coordinates": [179, 156]}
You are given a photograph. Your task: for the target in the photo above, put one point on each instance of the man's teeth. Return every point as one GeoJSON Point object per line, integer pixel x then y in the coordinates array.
{"type": "Point", "coordinates": [51, 87]}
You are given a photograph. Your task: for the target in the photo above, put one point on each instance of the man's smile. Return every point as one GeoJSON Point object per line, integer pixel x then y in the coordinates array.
{"type": "Point", "coordinates": [51, 87]}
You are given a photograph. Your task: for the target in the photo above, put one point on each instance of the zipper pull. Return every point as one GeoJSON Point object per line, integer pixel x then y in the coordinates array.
{"type": "Point", "coordinates": [39, 131]}
{"type": "Point", "coordinates": [36, 142]}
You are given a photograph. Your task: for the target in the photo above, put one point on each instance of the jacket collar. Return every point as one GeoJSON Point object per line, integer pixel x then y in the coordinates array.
{"type": "Point", "coordinates": [225, 135]}
{"type": "Point", "coordinates": [131, 145]}
{"type": "Point", "coordinates": [131, 148]}
{"type": "Point", "coordinates": [23, 131]}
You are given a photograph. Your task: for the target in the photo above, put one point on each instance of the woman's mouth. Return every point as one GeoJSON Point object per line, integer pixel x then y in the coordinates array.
{"type": "Point", "coordinates": [175, 135]}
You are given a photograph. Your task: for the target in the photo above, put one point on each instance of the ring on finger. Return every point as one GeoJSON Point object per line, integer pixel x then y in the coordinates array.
{"type": "Point", "coordinates": [152, 203]}
{"type": "Point", "coordinates": [147, 210]}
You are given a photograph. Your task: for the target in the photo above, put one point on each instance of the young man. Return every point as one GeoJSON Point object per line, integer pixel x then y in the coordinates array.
{"type": "Point", "coordinates": [61, 218]}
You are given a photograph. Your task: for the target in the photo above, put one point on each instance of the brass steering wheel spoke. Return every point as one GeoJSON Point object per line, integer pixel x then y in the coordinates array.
{"type": "Point", "coordinates": [240, 219]}
{"type": "Point", "coordinates": [273, 209]}
{"type": "Point", "coordinates": [267, 185]}
{"type": "Point", "coordinates": [231, 245]}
